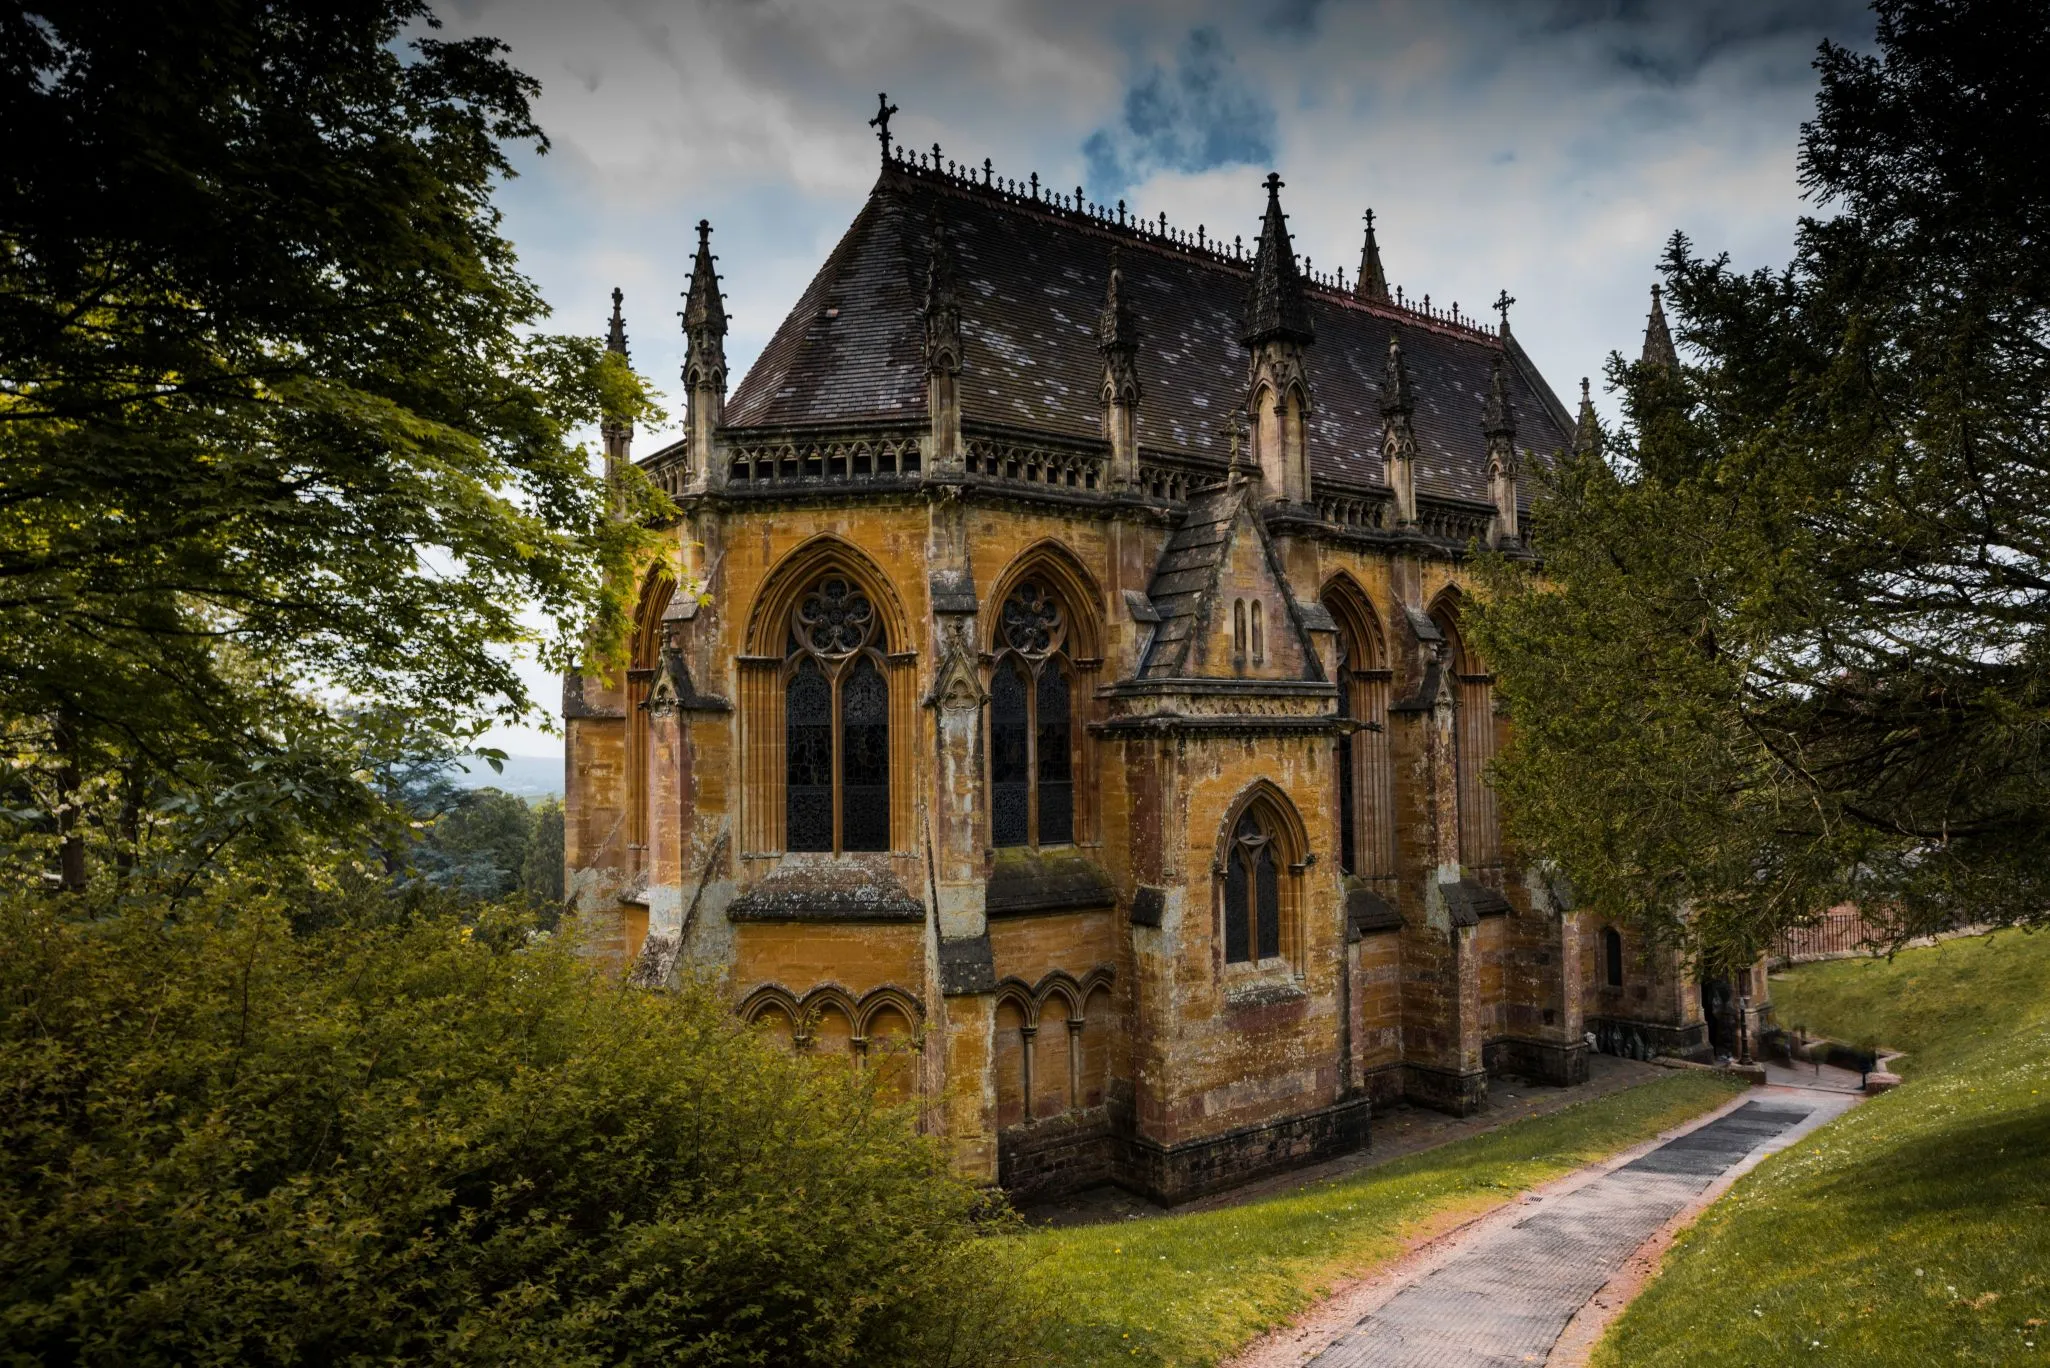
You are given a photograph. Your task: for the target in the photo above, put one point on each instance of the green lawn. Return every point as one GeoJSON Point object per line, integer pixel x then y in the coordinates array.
{"type": "Point", "coordinates": [1190, 1289]}
{"type": "Point", "coordinates": [1916, 1230]}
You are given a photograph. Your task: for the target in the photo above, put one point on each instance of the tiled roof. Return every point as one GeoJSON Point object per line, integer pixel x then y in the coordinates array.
{"type": "Point", "coordinates": [1031, 281]}
{"type": "Point", "coordinates": [1187, 571]}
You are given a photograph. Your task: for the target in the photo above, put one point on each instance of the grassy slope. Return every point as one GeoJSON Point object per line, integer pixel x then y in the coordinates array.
{"type": "Point", "coordinates": [1916, 1230]}
{"type": "Point", "coordinates": [1190, 1289]}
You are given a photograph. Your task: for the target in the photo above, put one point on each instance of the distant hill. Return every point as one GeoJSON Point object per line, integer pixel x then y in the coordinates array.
{"type": "Point", "coordinates": [527, 776]}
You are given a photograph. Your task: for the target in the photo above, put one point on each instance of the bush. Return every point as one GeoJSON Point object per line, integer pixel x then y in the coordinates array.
{"type": "Point", "coordinates": [415, 1141]}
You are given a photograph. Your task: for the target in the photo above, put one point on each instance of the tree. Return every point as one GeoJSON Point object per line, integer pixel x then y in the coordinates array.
{"type": "Point", "coordinates": [1789, 645]}
{"type": "Point", "coordinates": [542, 873]}
{"type": "Point", "coordinates": [478, 846]}
{"type": "Point", "coordinates": [409, 1139]}
{"type": "Point", "coordinates": [275, 424]}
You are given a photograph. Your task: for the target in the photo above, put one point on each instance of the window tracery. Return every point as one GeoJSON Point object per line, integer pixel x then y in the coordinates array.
{"type": "Point", "coordinates": [836, 713]}
{"type": "Point", "coordinates": [1031, 723]}
{"type": "Point", "coordinates": [1252, 893]}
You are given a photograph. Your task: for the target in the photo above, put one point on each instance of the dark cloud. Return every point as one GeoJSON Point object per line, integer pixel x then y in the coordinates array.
{"type": "Point", "coordinates": [1670, 44]}
{"type": "Point", "coordinates": [1295, 18]}
{"type": "Point", "coordinates": [1200, 116]}
{"type": "Point", "coordinates": [1545, 146]}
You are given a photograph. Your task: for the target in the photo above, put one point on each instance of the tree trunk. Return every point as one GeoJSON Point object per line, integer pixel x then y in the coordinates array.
{"type": "Point", "coordinates": [71, 844]}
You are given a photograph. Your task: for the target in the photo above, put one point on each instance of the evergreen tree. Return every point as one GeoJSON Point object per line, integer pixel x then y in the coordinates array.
{"type": "Point", "coordinates": [1789, 646]}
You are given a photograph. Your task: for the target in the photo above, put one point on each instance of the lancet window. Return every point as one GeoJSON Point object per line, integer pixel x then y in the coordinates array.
{"type": "Point", "coordinates": [836, 719]}
{"type": "Point", "coordinates": [1252, 893]}
{"type": "Point", "coordinates": [1031, 723]}
{"type": "Point", "coordinates": [1366, 771]}
{"type": "Point", "coordinates": [1480, 836]}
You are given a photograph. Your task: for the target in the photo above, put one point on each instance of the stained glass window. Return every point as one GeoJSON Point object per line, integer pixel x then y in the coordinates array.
{"type": "Point", "coordinates": [836, 733]}
{"type": "Point", "coordinates": [864, 758]}
{"type": "Point", "coordinates": [1010, 761]}
{"type": "Point", "coordinates": [808, 733]}
{"type": "Point", "coordinates": [1237, 945]}
{"type": "Point", "coordinates": [1267, 878]}
{"type": "Point", "coordinates": [1031, 724]}
{"type": "Point", "coordinates": [1347, 800]}
{"type": "Point", "coordinates": [1055, 768]}
{"type": "Point", "coordinates": [1252, 895]}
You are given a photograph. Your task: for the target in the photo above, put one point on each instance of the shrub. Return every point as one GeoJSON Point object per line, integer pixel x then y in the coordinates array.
{"type": "Point", "coordinates": [420, 1142]}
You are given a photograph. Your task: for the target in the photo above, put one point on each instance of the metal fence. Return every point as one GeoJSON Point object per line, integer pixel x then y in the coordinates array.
{"type": "Point", "coordinates": [1840, 931]}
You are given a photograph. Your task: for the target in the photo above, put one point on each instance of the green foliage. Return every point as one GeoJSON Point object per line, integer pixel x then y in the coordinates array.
{"type": "Point", "coordinates": [401, 1139]}
{"type": "Point", "coordinates": [276, 424]}
{"type": "Point", "coordinates": [541, 869]}
{"type": "Point", "coordinates": [1790, 643]}
{"type": "Point", "coordinates": [478, 846]}
{"type": "Point", "coordinates": [1192, 1289]}
{"type": "Point", "coordinates": [1914, 1230]}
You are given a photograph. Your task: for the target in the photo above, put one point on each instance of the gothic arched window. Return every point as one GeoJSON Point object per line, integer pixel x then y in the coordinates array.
{"type": "Point", "coordinates": [836, 719]}
{"type": "Point", "coordinates": [1612, 955]}
{"type": "Point", "coordinates": [1031, 728]}
{"type": "Point", "coordinates": [1348, 782]}
{"type": "Point", "coordinates": [1366, 769]}
{"type": "Point", "coordinates": [1252, 894]}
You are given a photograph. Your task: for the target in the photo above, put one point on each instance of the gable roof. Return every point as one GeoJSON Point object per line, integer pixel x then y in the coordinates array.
{"type": "Point", "coordinates": [1188, 592]}
{"type": "Point", "coordinates": [1186, 575]}
{"type": "Point", "coordinates": [1031, 278]}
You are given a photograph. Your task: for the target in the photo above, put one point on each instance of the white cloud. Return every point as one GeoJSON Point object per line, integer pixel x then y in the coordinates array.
{"type": "Point", "coordinates": [1545, 148]}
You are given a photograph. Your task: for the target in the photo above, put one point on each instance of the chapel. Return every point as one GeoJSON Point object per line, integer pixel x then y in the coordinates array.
{"type": "Point", "coordinates": [1053, 695]}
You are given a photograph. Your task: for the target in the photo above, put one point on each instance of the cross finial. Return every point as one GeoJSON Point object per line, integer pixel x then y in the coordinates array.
{"type": "Point", "coordinates": [1502, 303]}
{"type": "Point", "coordinates": [1274, 183]}
{"type": "Point", "coordinates": [1369, 217]}
{"type": "Point", "coordinates": [881, 123]}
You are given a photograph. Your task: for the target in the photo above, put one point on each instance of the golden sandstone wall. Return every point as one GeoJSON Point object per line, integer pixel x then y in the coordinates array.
{"type": "Point", "coordinates": [1212, 970]}
{"type": "Point", "coordinates": [1092, 1046]}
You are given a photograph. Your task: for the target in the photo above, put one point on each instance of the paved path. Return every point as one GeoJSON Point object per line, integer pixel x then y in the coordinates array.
{"type": "Point", "coordinates": [1505, 1296]}
{"type": "Point", "coordinates": [1397, 1130]}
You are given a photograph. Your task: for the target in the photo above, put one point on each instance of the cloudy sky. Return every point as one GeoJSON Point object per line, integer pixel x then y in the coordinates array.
{"type": "Point", "coordinates": [1546, 147]}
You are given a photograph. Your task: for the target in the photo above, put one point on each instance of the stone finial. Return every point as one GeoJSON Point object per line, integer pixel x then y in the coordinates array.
{"type": "Point", "coordinates": [704, 318]}
{"type": "Point", "coordinates": [1658, 339]}
{"type": "Point", "coordinates": [615, 336]}
{"type": "Point", "coordinates": [1398, 437]}
{"type": "Point", "coordinates": [1238, 460]}
{"type": "Point", "coordinates": [1498, 414]}
{"type": "Point", "coordinates": [704, 360]}
{"type": "Point", "coordinates": [1396, 396]}
{"type": "Point", "coordinates": [942, 305]}
{"type": "Point", "coordinates": [1587, 433]}
{"type": "Point", "coordinates": [943, 354]}
{"type": "Point", "coordinates": [1117, 337]}
{"type": "Point", "coordinates": [1498, 422]}
{"type": "Point", "coordinates": [881, 124]}
{"type": "Point", "coordinates": [616, 433]}
{"type": "Point", "coordinates": [1373, 281]}
{"type": "Point", "coordinates": [1276, 309]}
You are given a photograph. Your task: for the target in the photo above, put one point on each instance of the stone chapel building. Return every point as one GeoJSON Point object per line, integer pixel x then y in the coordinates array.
{"type": "Point", "coordinates": [1067, 711]}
